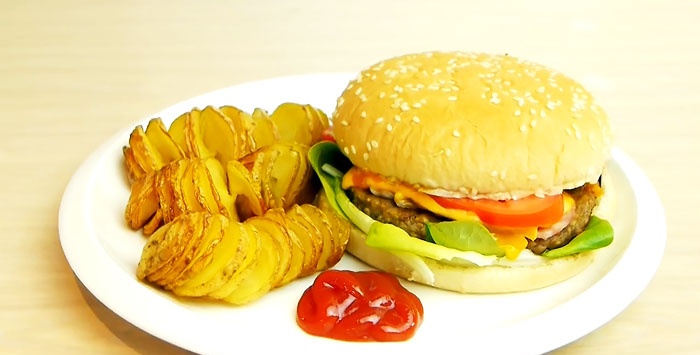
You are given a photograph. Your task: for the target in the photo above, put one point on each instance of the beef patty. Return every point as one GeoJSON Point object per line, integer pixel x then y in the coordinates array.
{"type": "Point", "coordinates": [413, 220]}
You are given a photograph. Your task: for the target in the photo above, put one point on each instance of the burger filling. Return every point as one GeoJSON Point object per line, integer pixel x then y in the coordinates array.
{"type": "Point", "coordinates": [398, 217]}
{"type": "Point", "coordinates": [413, 219]}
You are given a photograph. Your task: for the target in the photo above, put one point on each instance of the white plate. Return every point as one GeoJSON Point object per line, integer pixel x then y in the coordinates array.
{"type": "Point", "coordinates": [104, 253]}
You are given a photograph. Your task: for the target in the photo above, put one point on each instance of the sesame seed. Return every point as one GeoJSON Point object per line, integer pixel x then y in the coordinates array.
{"type": "Point", "coordinates": [389, 127]}
{"type": "Point", "coordinates": [358, 91]}
{"type": "Point", "coordinates": [363, 98]}
{"type": "Point", "coordinates": [404, 107]}
{"type": "Point", "coordinates": [346, 151]}
{"type": "Point", "coordinates": [520, 101]}
{"type": "Point", "coordinates": [516, 113]}
{"type": "Point", "coordinates": [417, 105]}
{"type": "Point", "coordinates": [550, 105]}
{"type": "Point", "coordinates": [382, 94]}
{"type": "Point", "coordinates": [541, 89]}
{"type": "Point", "coordinates": [353, 149]}
{"type": "Point", "coordinates": [363, 114]}
{"type": "Point", "coordinates": [397, 118]}
{"type": "Point", "coordinates": [456, 133]}
{"type": "Point", "coordinates": [379, 120]}
{"type": "Point", "coordinates": [374, 143]}
{"type": "Point", "coordinates": [533, 111]}
{"type": "Point", "coordinates": [523, 128]}
{"type": "Point", "coordinates": [343, 123]}
{"type": "Point", "coordinates": [398, 89]}
{"type": "Point", "coordinates": [494, 173]}
{"type": "Point", "coordinates": [341, 101]}
{"type": "Point", "coordinates": [543, 113]}
{"type": "Point", "coordinates": [532, 176]}
{"type": "Point", "coordinates": [369, 146]}
{"type": "Point", "coordinates": [365, 156]}
{"type": "Point", "coordinates": [416, 119]}
{"type": "Point", "coordinates": [494, 99]}
{"type": "Point", "coordinates": [533, 123]}
{"type": "Point", "coordinates": [452, 98]}
{"type": "Point", "coordinates": [448, 152]}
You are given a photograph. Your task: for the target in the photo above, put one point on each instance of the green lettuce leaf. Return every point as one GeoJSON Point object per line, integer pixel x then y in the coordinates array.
{"type": "Point", "coordinates": [336, 164]}
{"type": "Point", "coordinates": [598, 234]}
{"type": "Point", "coordinates": [464, 235]}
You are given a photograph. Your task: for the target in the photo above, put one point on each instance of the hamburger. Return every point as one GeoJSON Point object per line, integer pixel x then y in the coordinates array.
{"type": "Point", "coordinates": [470, 172]}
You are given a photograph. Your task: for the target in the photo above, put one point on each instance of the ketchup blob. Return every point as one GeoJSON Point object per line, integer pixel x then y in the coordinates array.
{"type": "Point", "coordinates": [359, 306]}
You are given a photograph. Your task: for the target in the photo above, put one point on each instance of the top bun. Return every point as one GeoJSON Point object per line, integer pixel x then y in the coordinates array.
{"type": "Point", "coordinates": [473, 125]}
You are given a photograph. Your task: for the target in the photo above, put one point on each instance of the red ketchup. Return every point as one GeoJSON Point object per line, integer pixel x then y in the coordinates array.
{"type": "Point", "coordinates": [359, 306]}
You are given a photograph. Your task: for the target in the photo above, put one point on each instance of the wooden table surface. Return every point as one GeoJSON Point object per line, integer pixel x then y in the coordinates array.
{"type": "Point", "coordinates": [74, 72]}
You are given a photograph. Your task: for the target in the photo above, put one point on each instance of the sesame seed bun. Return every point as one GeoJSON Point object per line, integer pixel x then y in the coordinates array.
{"type": "Point", "coordinates": [472, 125]}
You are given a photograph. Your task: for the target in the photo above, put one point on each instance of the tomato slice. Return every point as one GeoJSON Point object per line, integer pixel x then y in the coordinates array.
{"type": "Point", "coordinates": [327, 135]}
{"type": "Point", "coordinates": [524, 212]}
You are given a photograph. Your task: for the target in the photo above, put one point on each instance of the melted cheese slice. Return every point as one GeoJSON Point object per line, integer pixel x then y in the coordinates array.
{"type": "Point", "coordinates": [512, 240]}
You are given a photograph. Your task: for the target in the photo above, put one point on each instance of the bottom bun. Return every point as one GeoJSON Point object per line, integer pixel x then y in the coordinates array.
{"type": "Point", "coordinates": [533, 273]}
{"type": "Point", "coordinates": [470, 279]}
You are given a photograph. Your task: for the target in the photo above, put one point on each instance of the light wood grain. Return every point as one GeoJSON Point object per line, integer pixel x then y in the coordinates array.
{"type": "Point", "coordinates": [74, 72]}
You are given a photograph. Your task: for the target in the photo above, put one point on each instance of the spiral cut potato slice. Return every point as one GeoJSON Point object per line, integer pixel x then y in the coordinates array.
{"type": "Point", "coordinates": [182, 186]}
{"type": "Point", "coordinates": [204, 254]}
{"type": "Point", "coordinates": [281, 173]}
{"type": "Point", "coordinates": [302, 124]}
{"type": "Point", "coordinates": [276, 176]}
{"type": "Point", "coordinates": [225, 133]}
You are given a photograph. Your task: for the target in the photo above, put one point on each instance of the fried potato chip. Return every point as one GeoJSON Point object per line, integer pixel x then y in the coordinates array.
{"type": "Point", "coordinates": [183, 236]}
{"type": "Point", "coordinates": [164, 143]}
{"type": "Point", "coordinates": [243, 265]}
{"type": "Point", "coordinates": [292, 122]}
{"type": "Point", "coordinates": [314, 217]}
{"type": "Point", "coordinates": [287, 264]}
{"type": "Point", "coordinates": [301, 255]}
{"type": "Point", "coordinates": [145, 153]}
{"type": "Point", "coordinates": [263, 131]}
{"type": "Point", "coordinates": [134, 171]}
{"type": "Point", "coordinates": [143, 202]}
{"type": "Point", "coordinates": [217, 180]}
{"type": "Point", "coordinates": [176, 131]}
{"type": "Point", "coordinates": [297, 215]}
{"type": "Point", "coordinates": [259, 282]}
{"type": "Point", "coordinates": [205, 268]}
{"type": "Point", "coordinates": [242, 126]}
{"type": "Point", "coordinates": [243, 189]}
{"type": "Point", "coordinates": [166, 179]}
{"type": "Point", "coordinates": [203, 249]}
